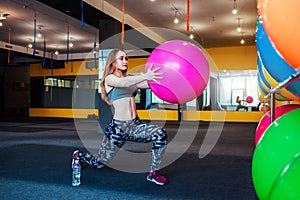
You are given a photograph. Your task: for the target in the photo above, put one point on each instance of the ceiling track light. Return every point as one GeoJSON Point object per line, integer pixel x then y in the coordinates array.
{"type": "Point", "coordinates": [242, 40]}
{"type": "Point", "coordinates": [3, 16]}
{"type": "Point", "coordinates": [239, 29]}
{"type": "Point", "coordinates": [191, 36]}
{"type": "Point", "coordinates": [234, 10]}
{"type": "Point", "coordinates": [39, 34]}
{"type": "Point", "coordinates": [176, 20]}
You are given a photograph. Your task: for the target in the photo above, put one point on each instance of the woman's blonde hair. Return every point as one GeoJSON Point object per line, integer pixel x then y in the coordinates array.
{"type": "Point", "coordinates": [109, 69]}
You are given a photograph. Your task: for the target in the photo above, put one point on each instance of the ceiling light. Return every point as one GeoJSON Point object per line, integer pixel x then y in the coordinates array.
{"type": "Point", "coordinates": [29, 45]}
{"type": "Point", "coordinates": [239, 29]}
{"type": "Point", "coordinates": [56, 52]}
{"type": "Point", "coordinates": [39, 34]}
{"type": "Point", "coordinates": [234, 11]}
{"type": "Point", "coordinates": [1, 24]}
{"type": "Point", "coordinates": [3, 16]}
{"type": "Point", "coordinates": [176, 20]}
{"type": "Point", "coordinates": [191, 36]}
{"type": "Point", "coordinates": [71, 45]}
{"type": "Point", "coordinates": [242, 41]}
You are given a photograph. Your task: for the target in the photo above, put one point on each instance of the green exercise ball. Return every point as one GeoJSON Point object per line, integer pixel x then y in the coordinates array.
{"type": "Point", "coordinates": [287, 184]}
{"type": "Point", "coordinates": [277, 147]}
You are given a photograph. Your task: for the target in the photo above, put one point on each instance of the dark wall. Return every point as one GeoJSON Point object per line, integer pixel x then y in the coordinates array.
{"type": "Point", "coordinates": [14, 91]}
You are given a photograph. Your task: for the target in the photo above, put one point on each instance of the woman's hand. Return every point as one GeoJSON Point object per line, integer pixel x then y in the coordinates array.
{"type": "Point", "coordinates": [152, 74]}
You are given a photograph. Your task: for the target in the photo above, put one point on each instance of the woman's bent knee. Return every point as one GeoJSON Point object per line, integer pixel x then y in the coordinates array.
{"type": "Point", "coordinates": [160, 139]}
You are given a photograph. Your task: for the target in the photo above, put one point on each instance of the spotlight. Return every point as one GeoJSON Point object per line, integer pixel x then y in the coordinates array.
{"type": "Point", "coordinates": [176, 20]}
{"type": "Point", "coordinates": [39, 34]}
{"type": "Point", "coordinates": [191, 36]}
{"type": "Point", "coordinates": [234, 11]}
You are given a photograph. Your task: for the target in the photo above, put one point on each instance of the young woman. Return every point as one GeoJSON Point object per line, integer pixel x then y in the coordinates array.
{"type": "Point", "coordinates": [240, 106]}
{"type": "Point", "coordinates": [118, 90]}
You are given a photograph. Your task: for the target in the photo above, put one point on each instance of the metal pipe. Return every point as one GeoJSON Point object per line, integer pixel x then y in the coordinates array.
{"type": "Point", "coordinates": [291, 79]}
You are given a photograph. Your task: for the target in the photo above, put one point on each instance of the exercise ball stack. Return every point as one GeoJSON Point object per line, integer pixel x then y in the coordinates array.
{"type": "Point", "coordinates": [276, 158]}
{"type": "Point", "coordinates": [185, 71]}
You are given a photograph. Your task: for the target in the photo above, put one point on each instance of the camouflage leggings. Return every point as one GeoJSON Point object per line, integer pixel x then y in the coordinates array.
{"type": "Point", "coordinates": [118, 132]}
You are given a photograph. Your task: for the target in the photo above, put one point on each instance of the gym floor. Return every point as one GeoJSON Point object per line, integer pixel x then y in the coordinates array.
{"type": "Point", "coordinates": [35, 157]}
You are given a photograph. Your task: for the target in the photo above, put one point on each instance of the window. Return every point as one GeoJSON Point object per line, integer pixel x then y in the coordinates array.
{"type": "Point", "coordinates": [237, 83]}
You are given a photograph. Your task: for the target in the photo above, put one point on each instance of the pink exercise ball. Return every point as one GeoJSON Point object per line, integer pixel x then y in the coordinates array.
{"type": "Point", "coordinates": [265, 120]}
{"type": "Point", "coordinates": [249, 99]}
{"type": "Point", "coordinates": [185, 71]}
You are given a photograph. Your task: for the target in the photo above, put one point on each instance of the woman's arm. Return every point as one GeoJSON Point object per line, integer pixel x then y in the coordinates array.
{"type": "Point", "coordinates": [143, 85]}
{"type": "Point", "coordinates": [127, 81]}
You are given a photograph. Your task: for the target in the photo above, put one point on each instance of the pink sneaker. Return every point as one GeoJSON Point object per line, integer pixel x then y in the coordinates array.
{"type": "Point", "coordinates": [157, 178]}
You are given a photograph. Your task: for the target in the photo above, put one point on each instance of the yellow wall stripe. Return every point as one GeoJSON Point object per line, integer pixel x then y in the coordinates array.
{"type": "Point", "coordinates": [167, 115]}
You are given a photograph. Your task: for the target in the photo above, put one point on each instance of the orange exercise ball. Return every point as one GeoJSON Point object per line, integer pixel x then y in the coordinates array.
{"type": "Point", "coordinates": [281, 23]}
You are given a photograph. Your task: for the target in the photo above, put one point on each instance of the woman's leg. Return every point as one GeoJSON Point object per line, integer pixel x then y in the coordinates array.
{"type": "Point", "coordinates": [143, 132]}
{"type": "Point", "coordinates": [112, 141]}
{"type": "Point", "coordinates": [139, 131]}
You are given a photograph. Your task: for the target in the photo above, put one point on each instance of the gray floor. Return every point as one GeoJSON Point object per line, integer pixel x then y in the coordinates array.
{"type": "Point", "coordinates": [35, 157]}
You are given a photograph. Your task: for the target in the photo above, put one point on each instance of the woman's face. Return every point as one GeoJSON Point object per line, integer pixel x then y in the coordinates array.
{"type": "Point", "coordinates": [121, 61]}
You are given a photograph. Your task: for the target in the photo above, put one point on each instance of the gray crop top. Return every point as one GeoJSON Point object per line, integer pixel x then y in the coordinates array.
{"type": "Point", "coordinates": [122, 92]}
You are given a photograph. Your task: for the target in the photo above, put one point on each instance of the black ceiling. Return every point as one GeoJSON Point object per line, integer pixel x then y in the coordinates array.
{"type": "Point", "coordinates": [91, 17]}
{"type": "Point", "coordinates": [73, 8]}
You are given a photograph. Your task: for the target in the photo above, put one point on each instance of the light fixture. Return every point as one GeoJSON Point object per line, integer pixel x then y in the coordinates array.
{"type": "Point", "coordinates": [29, 45]}
{"type": "Point", "coordinates": [71, 45]}
{"type": "Point", "coordinates": [176, 20]}
{"type": "Point", "coordinates": [234, 10]}
{"type": "Point", "coordinates": [191, 36]}
{"type": "Point", "coordinates": [3, 16]}
{"type": "Point", "coordinates": [56, 52]}
{"type": "Point", "coordinates": [39, 34]}
{"type": "Point", "coordinates": [242, 40]}
{"type": "Point", "coordinates": [239, 29]}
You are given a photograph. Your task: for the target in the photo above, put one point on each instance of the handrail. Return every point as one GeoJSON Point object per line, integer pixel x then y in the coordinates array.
{"type": "Point", "coordinates": [291, 79]}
